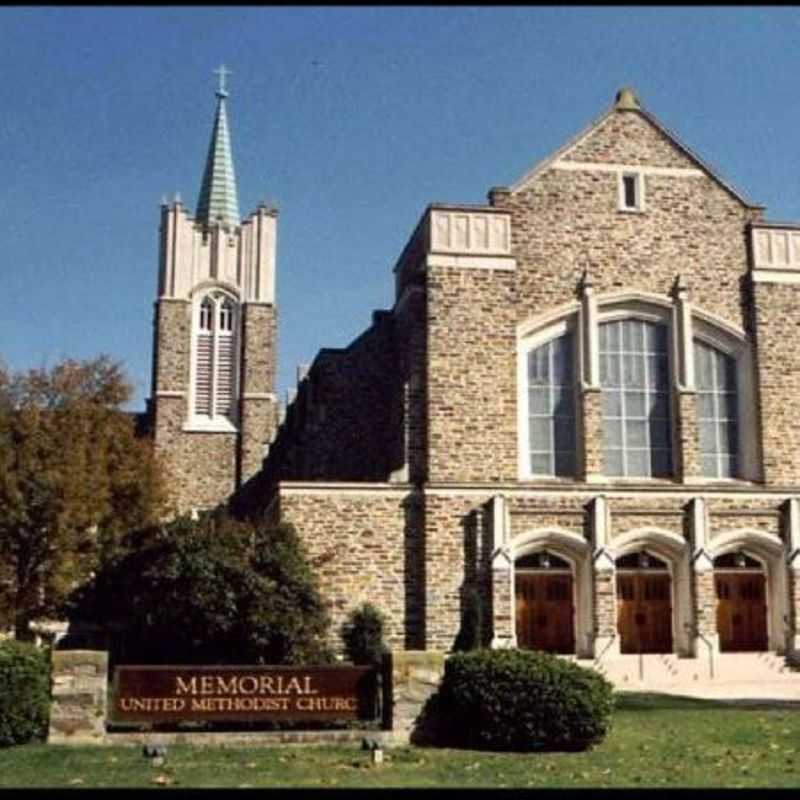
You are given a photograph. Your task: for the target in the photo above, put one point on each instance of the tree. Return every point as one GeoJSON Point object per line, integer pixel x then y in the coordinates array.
{"type": "Point", "coordinates": [210, 591]}
{"type": "Point", "coordinates": [73, 478]}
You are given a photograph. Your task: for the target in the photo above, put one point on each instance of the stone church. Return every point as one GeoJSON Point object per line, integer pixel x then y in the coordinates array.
{"type": "Point", "coordinates": [580, 405]}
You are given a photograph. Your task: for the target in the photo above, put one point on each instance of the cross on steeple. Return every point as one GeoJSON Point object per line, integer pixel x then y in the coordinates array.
{"type": "Point", "coordinates": [222, 72]}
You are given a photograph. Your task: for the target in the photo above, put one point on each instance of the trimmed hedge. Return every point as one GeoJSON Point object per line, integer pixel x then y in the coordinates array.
{"type": "Point", "coordinates": [522, 700]}
{"type": "Point", "coordinates": [24, 692]}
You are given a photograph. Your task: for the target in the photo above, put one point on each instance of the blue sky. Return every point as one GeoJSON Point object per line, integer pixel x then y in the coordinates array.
{"type": "Point", "coordinates": [351, 120]}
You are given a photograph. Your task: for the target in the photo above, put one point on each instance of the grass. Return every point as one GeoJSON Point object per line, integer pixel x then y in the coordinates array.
{"type": "Point", "coordinates": [656, 741]}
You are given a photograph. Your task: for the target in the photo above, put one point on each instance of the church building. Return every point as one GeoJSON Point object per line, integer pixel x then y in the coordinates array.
{"type": "Point", "coordinates": [579, 406]}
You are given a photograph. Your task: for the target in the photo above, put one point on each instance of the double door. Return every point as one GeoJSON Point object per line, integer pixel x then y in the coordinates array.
{"type": "Point", "coordinates": [644, 612]}
{"type": "Point", "coordinates": [545, 611]}
{"type": "Point", "coordinates": [741, 611]}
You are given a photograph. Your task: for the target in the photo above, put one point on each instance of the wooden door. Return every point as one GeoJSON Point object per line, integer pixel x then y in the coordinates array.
{"type": "Point", "coordinates": [644, 612]}
{"type": "Point", "coordinates": [741, 611]}
{"type": "Point", "coordinates": [545, 612]}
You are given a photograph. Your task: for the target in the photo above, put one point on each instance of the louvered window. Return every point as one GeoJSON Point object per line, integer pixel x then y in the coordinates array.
{"type": "Point", "coordinates": [215, 367]}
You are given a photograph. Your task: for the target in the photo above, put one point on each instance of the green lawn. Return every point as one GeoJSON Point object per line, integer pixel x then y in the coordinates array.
{"type": "Point", "coordinates": [655, 741]}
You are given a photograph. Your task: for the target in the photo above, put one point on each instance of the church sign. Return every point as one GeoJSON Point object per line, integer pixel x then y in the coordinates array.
{"type": "Point", "coordinates": [173, 694]}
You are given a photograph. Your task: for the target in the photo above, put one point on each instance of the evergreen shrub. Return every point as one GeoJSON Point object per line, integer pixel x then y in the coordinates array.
{"type": "Point", "coordinates": [363, 635]}
{"type": "Point", "coordinates": [522, 700]}
{"type": "Point", "coordinates": [24, 692]}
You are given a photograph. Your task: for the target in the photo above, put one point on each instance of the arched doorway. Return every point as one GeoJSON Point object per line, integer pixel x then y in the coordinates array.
{"type": "Point", "coordinates": [545, 612]}
{"type": "Point", "coordinates": [741, 588]}
{"type": "Point", "coordinates": [644, 603]}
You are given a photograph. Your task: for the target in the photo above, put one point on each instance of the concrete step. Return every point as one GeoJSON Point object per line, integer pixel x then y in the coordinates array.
{"type": "Point", "coordinates": [668, 670]}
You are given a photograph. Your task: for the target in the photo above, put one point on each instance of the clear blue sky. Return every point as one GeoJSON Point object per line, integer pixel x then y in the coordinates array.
{"type": "Point", "coordinates": [351, 120]}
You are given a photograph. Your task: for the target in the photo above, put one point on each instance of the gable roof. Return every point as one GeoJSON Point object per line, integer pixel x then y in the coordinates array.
{"type": "Point", "coordinates": [627, 102]}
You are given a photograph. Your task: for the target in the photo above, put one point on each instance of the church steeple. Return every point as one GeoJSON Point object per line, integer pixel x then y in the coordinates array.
{"type": "Point", "coordinates": [218, 199]}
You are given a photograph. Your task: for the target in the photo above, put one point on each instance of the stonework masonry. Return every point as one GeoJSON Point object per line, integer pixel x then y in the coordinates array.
{"type": "Point", "coordinates": [403, 458]}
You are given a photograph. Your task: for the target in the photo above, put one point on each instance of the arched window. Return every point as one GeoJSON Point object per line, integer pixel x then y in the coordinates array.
{"type": "Point", "coordinates": [214, 368]}
{"type": "Point", "coordinates": [551, 407]}
{"type": "Point", "coordinates": [635, 380]}
{"type": "Point", "coordinates": [715, 375]}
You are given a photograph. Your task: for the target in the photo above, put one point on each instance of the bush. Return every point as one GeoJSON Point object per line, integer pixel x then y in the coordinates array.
{"type": "Point", "coordinates": [363, 635]}
{"type": "Point", "coordinates": [24, 692]}
{"type": "Point", "coordinates": [470, 635]}
{"type": "Point", "coordinates": [522, 700]}
{"type": "Point", "coordinates": [210, 591]}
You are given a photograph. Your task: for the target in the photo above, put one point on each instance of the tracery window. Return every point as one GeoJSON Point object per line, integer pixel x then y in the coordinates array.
{"type": "Point", "coordinates": [635, 379]}
{"type": "Point", "coordinates": [717, 410]}
{"type": "Point", "coordinates": [551, 407]}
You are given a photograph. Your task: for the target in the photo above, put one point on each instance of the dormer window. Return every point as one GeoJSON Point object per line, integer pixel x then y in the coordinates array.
{"type": "Point", "coordinates": [631, 194]}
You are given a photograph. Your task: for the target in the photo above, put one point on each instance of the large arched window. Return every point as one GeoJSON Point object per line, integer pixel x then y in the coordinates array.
{"type": "Point", "coordinates": [717, 411]}
{"type": "Point", "coordinates": [635, 379]}
{"type": "Point", "coordinates": [551, 407]}
{"type": "Point", "coordinates": [214, 360]}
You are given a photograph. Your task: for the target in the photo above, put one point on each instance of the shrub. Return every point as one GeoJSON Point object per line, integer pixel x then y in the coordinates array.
{"type": "Point", "coordinates": [470, 635]}
{"type": "Point", "coordinates": [24, 692]}
{"type": "Point", "coordinates": [363, 635]}
{"type": "Point", "coordinates": [521, 700]}
{"type": "Point", "coordinates": [211, 591]}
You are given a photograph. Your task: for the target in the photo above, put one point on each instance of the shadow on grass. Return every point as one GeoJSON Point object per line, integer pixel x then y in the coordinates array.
{"type": "Point", "coordinates": [654, 701]}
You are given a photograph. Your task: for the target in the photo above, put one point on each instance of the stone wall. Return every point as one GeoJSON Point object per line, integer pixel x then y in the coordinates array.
{"type": "Point", "coordinates": [776, 307]}
{"type": "Point", "coordinates": [78, 705]}
{"type": "Point", "coordinates": [346, 422]}
{"type": "Point", "coordinates": [365, 546]}
{"type": "Point", "coordinates": [258, 405]}
{"type": "Point", "coordinates": [201, 467]}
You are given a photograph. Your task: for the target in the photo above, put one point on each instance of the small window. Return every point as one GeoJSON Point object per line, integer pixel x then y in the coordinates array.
{"type": "Point", "coordinates": [206, 310]}
{"type": "Point", "coordinates": [631, 192]}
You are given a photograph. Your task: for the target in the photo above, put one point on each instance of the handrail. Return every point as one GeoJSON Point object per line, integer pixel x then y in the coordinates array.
{"type": "Point", "coordinates": [695, 631]}
{"type": "Point", "coordinates": [598, 658]}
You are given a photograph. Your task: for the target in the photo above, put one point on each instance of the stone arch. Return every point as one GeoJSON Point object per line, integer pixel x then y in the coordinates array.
{"type": "Point", "coordinates": [672, 548]}
{"type": "Point", "coordinates": [769, 551]}
{"type": "Point", "coordinates": [577, 552]}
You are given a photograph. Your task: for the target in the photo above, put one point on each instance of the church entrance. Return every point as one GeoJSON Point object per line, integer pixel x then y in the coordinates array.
{"type": "Point", "coordinates": [740, 585]}
{"type": "Point", "coordinates": [544, 591]}
{"type": "Point", "coordinates": [644, 604]}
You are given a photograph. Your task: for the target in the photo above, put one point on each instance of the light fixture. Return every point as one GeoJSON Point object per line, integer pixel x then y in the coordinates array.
{"type": "Point", "coordinates": [644, 560]}
{"type": "Point", "coordinates": [741, 560]}
{"type": "Point", "coordinates": [545, 560]}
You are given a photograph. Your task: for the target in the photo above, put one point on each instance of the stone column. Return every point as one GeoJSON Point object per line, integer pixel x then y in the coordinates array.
{"type": "Point", "coordinates": [604, 599]}
{"type": "Point", "coordinates": [502, 576]}
{"type": "Point", "coordinates": [704, 634]}
{"type": "Point", "coordinates": [591, 418]}
{"type": "Point", "coordinates": [503, 608]}
{"type": "Point", "coordinates": [687, 437]}
{"type": "Point", "coordinates": [78, 704]}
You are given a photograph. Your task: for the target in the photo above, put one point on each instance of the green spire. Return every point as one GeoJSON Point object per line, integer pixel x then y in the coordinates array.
{"type": "Point", "coordinates": [218, 199]}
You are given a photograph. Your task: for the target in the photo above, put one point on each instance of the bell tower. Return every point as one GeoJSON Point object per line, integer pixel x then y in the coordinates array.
{"type": "Point", "coordinates": [213, 405]}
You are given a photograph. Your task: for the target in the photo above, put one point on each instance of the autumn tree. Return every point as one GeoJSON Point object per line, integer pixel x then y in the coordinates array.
{"type": "Point", "coordinates": [74, 478]}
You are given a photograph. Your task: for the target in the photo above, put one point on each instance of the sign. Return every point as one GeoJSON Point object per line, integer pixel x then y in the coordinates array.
{"type": "Point", "coordinates": [173, 694]}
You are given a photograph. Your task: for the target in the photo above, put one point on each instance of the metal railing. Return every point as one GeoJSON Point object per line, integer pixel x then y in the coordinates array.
{"type": "Point", "coordinates": [694, 631]}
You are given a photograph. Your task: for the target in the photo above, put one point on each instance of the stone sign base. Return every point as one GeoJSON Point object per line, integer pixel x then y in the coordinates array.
{"type": "Point", "coordinates": [78, 709]}
{"type": "Point", "coordinates": [78, 704]}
